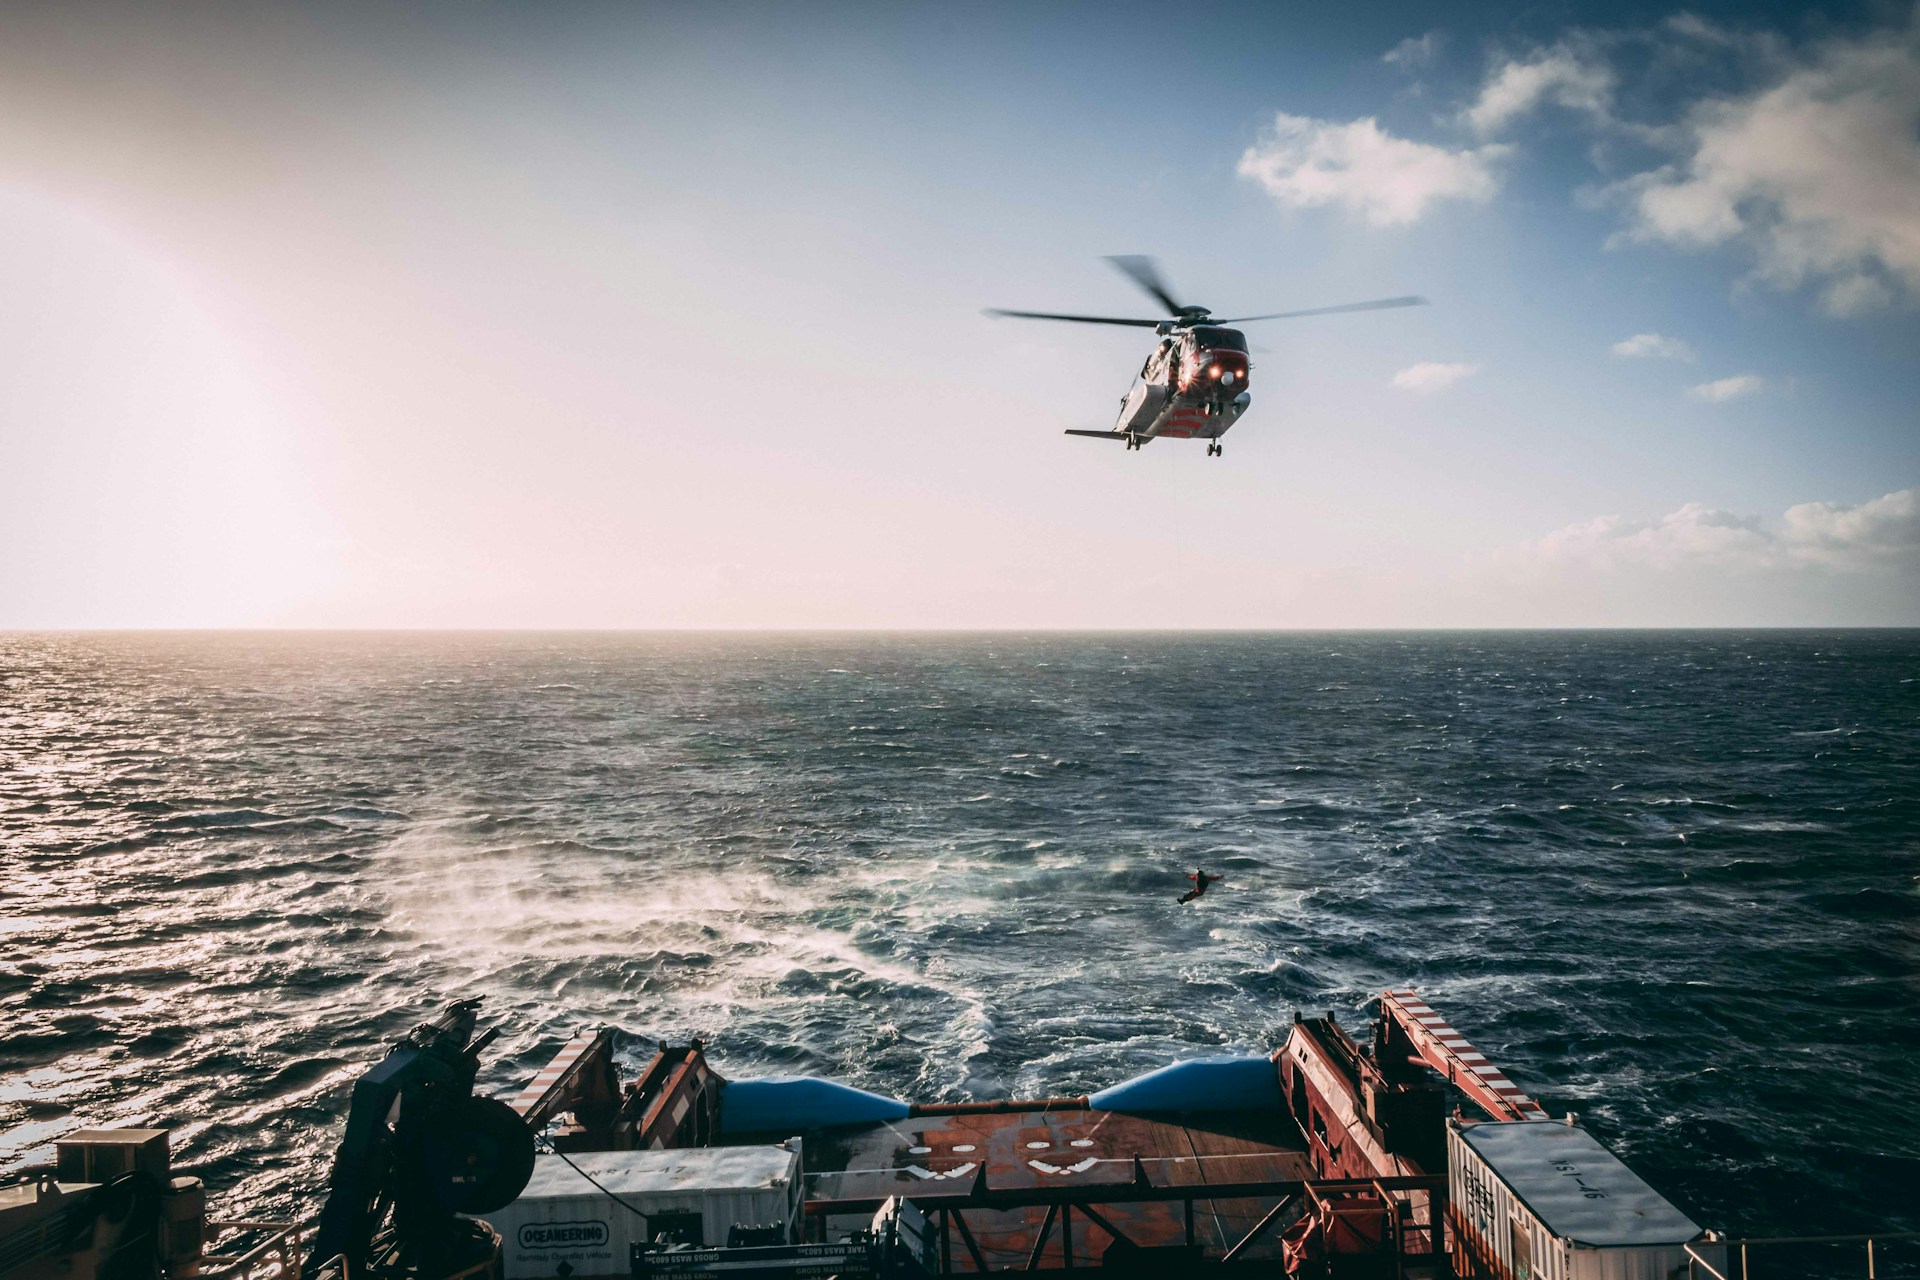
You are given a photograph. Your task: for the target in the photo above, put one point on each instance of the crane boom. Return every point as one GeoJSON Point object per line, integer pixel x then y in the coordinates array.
{"type": "Point", "coordinates": [1439, 1046]}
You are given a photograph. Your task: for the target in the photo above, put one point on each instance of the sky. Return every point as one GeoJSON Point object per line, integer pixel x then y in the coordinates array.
{"type": "Point", "coordinates": [657, 315]}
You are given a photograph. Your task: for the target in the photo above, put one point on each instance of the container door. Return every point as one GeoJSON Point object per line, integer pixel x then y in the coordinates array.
{"type": "Point", "coordinates": [1522, 1248]}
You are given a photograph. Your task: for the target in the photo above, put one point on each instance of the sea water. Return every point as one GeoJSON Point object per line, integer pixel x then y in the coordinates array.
{"type": "Point", "coordinates": [1667, 880]}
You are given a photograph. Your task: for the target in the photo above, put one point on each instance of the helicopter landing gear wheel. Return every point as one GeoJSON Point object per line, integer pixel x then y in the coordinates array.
{"type": "Point", "coordinates": [1213, 449]}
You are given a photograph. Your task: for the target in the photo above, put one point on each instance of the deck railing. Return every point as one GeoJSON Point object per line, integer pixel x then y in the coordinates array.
{"type": "Point", "coordinates": [1404, 1206]}
{"type": "Point", "coordinates": [275, 1256]}
{"type": "Point", "coordinates": [1736, 1254]}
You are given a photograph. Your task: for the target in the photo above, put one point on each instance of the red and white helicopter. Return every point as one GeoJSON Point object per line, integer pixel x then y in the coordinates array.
{"type": "Point", "coordinates": [1194, 385]}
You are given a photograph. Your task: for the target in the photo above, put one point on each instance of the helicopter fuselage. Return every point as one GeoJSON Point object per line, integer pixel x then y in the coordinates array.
{"type": "Point", "coordinates": [1192, 387]}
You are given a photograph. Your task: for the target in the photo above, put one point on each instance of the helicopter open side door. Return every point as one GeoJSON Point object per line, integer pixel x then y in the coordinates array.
{"type": "Point", "coordinates": [1142, 407]}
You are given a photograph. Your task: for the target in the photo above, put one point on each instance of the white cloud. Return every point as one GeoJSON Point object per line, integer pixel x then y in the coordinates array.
{"type": "Point", "coordinates": [1414, 51]}
{"type": "Point", "coordinates": [1819, 175]}
{"type": "Point", "coordinates": [1428, 377]}
{"type": "Point", "coordinates": [1819, 563]}
{"type": "Point", "coordinates": [1695, 534]}
{"type": "Point", "coordinates": [1558, 75]}
{"type": "Point", "coordinates": [1360, 167]}
{"type": "Point", "coordinates": [1741, 384]}
{"type": "Point", "coordinates": [1855, 295]}
{"type": "Point", "coordinates": [1653, 346]}
{"type": "Point", "coordinates": [1756, 45]}
{"type": "Point", "coordinates": [1877, 535]}
{"type": "Point", "coordinates": [1884, 531]}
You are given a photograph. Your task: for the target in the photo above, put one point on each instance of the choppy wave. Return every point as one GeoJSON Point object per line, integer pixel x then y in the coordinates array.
{"type": "Point", "coordinates": [1670, 881]}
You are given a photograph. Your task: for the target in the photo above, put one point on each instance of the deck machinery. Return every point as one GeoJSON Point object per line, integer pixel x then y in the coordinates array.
{"type": "Point", "coordinates": [1328, 1158]}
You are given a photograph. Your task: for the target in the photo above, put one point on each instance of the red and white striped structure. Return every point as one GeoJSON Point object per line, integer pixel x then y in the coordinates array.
{"type": "Point", "coordinates": [553, 1089]}
{"type": "Point", "coordinates": [1447, 1051]}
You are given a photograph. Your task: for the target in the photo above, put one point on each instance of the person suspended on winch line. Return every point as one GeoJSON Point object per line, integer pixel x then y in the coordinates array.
{"type": "Point", "coordinates": [1200, 882]}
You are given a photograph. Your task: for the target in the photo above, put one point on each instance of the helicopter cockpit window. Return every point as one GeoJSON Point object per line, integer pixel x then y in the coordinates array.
{"type": "Point", "coordinates": [1156, 362]}
{"type": "Point", "coordinates": [1220, 339]}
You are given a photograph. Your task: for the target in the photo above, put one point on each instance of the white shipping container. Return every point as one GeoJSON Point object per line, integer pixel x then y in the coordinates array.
{"type": "Point", "coordinates": [563, 1225]}
{"type": "Point", "coordinates": [1543, 1200]}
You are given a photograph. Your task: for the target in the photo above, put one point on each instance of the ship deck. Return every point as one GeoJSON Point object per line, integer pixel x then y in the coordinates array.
{"type": "Point", "coordinates": [931, 1159]}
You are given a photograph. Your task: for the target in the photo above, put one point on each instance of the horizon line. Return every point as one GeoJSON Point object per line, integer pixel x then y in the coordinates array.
{"type": "Point", "coordinates": [949, 631]}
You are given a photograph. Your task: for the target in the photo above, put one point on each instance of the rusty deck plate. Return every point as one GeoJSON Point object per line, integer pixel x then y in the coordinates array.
{"type": "Point", "coordinates": [934, 1157]}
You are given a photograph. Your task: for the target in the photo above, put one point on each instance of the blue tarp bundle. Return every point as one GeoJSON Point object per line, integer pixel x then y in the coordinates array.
{"type": "Point", "coordinates": [1204, 1084]}
{"type": "Point", "coordinates": [795, 1104]}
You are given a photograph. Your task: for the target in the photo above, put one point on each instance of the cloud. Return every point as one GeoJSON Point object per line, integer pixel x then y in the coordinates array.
{"type": "Point", "coordinates": [1884, 531]}
{"type": "Point", "coordinates": [1818, 176]}
{"type": "Point", "coordinates": [1855, 295]}
{"type": "Point", "coordinates": [1759, 46]}
{"type": "Point", "coordinates": [1558, 75]}
{"type": "Point", "coordinates": [1414, 51]}
{"type": "Point", "coordinates": [1883, 534]}
{"type": "Point", "coordinates": [1694, 534]}
{"type": "Point", "coordinates": [1428, 377]}
{"type": "Point", "coordinates": [1358, 166]}
{"type": "Point", "coordinates": [1653, 346]}
{"type": "Point", "coordinates": [1741, 384]}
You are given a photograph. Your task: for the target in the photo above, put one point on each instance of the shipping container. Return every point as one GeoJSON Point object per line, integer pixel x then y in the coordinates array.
{"type": "Point", "coordinates": [581, 1214]}
{"type": "Point", "coordinates": [1543, 1200]}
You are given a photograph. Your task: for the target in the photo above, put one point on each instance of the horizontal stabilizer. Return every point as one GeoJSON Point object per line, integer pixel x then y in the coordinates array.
{"type": "Point", "coordinates": [1099, 435]}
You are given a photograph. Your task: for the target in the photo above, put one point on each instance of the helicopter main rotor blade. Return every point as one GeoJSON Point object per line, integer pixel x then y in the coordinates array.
{"type": "Point", "coordinates": [1378, 304]}
{"type": "Point", "coordinates": [1052, 315]}
{"type": "Point", "coordinates": [1142, 271]}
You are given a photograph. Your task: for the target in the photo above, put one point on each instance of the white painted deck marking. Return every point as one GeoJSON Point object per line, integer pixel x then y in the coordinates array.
{"type": "Point", "coordinates": [918, 1172]}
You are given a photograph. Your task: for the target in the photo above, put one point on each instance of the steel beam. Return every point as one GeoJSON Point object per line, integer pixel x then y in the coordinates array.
{"type": "Point", "coordinates": [1104, 1225]}
{"type": "Point", "coordinates": [966, 1238]}
{"type": "Point", "coordinates": [1040, 1240]}
{"type": "Point", "coordinates": [1259, 1228]}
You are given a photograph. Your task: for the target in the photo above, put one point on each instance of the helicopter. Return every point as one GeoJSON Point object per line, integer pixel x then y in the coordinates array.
{"type": "Point", "coordinates": [1194, 383]}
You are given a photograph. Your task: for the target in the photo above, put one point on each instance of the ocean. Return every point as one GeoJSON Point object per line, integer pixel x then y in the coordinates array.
{"type": "Point", "coordinates": [1669, 880]}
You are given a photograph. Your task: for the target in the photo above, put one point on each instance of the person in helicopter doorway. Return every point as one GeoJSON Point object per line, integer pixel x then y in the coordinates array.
{"type": "Point", "coordinates": [1200, 882]}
